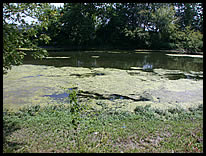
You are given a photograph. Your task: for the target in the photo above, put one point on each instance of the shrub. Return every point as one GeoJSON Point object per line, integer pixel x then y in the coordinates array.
{"type": "Point", "coordinates": [189, 40]}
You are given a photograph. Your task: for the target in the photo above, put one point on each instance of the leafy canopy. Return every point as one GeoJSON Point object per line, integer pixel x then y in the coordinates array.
{"type": "Point", "coordinates": [19, 33]}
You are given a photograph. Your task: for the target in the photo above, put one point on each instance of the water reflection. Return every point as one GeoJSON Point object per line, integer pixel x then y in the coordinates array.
{"type": "Point", "coordinates": [123, 60]}
{"type": "Point", "coordinates": [147, 67]}
{"type": "Point", "coordinates": [94, 64]}
{"type": "Point", "coordinates": [79, 63]}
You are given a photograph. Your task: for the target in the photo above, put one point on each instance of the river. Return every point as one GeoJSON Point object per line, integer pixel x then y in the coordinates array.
{"type": "Point", "coordinates": [118, 79]}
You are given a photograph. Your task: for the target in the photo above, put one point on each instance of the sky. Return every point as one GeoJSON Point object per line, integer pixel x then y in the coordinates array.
{"type": "Point", "coordinates": [29, 19]}
{"type": "Point", "coordinates": [57, 4]}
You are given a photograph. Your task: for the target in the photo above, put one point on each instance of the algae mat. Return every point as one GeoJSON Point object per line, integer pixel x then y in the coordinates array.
{"type": "Point", "coordinates": [26, 85]}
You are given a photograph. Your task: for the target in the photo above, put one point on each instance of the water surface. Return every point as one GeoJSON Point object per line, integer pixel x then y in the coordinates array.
{"type": "Point", "coordinates": [147, 78]}
{"type": "Point", "coordinates": [118, 59]}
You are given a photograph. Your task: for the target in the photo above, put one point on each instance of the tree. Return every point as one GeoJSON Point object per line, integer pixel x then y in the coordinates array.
{"type": "Point", "coordinates": [190, 40]}
{"type": "Point", "coordinates": [190, 14]}
{"type": "Point", "coordinates": [125, 25]}
{"type": "Point", "coordinates": [164, 22]}
{"type": "Point", "coordinates": [54, 24]}
{"type": "Point", "coordinates": [18, 33]}
{"type": "Point", "coordinates": [163, 19]}
{"type": "Point", "coordinates": [78, 23]}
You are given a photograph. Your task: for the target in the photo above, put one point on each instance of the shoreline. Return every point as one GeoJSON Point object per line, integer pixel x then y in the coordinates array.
{"type": "Point", "coordinates": [49, 49]}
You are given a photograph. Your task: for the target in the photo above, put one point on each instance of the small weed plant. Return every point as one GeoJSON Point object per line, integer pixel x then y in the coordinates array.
{"type": "Point", "coordinates": [77, 127]}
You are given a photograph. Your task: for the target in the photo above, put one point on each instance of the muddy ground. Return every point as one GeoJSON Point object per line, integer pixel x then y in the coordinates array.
{"type": "Point", "coordinates": [120, 89]}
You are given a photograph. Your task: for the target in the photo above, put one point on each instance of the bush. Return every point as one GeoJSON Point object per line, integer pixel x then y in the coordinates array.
{"type": "Point", "coordinates": [189, 40]}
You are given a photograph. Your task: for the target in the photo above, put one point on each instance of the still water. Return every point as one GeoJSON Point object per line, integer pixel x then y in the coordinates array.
{"type": "Point", "coordinates": [118, 59]}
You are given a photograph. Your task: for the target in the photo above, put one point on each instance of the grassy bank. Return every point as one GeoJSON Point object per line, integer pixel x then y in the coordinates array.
{"type": "Point", "coordinates": [57, 128]}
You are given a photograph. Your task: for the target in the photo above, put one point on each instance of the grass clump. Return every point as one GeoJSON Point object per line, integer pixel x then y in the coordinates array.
{"type": "Point", "coordinates": [78, 128]}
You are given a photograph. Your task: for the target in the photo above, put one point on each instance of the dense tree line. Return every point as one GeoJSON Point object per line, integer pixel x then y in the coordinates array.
{"type": "Point", "coordinates": [100, 25]}
{"type": "Point", "coordinates": [130, 25]}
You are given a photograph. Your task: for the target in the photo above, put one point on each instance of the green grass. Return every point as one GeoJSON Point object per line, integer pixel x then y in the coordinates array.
{"type": "Point", "coordinates": [52, 129]}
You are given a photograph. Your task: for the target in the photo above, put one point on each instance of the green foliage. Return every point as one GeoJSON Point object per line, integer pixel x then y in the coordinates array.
{"type": "Point", "coordinates": [53, 28]}
{"type": "Point", "coordinates": [17, 33]}
{"type": "Point", "coordinates": [77, 110]}
{"type": "Point", "coordinates": [139, 37]}
{"type": "Point", "coordinates": [78, 24]}
{"type": "Point", "coordinates": [93, 25]}
{"type": "Point", "coordinates": [164, 18]}
{"type": "Point", "coordinates": [128, 25]}
{"type": "Point", "coordinates": [190, 40]}
{"type": "Point", "coordinates": [169, 114]}
{"type": "Point", "coordinates": [50, 129]}
{"type": "Point", "coordinates": [190, 14]}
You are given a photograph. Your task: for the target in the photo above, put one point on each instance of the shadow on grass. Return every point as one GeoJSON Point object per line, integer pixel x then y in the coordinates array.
{"type": "Point", "coordinates": [10, 126]}
{"type": "Point", "coordinates": [11, 147]}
